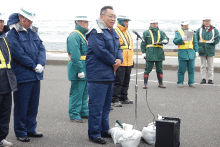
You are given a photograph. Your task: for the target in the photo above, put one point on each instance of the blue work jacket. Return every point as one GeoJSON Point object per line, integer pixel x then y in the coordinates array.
{"type": "Point", "coordinates": [27, 51]}
{"type": "Point", "coordinates": [103, 50]}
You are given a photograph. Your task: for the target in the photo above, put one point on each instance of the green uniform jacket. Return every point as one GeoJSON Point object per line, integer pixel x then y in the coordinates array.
{"type": "Point", "coordinates": [76, 47]}
{"type": "Point", "coordinates": [207, 49]}
{"type": "Point", "coordinates": [185, 54]}
{"type": "Point", "coordinates": [153, 53]}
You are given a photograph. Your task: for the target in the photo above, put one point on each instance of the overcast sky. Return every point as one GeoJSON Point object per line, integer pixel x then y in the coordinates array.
{"type": "Point", "coordinates": [135, 9]}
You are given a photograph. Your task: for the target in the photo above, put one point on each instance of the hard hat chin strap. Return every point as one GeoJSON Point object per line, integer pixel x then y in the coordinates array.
{"type": "Point", "coordinates": [77, 23]}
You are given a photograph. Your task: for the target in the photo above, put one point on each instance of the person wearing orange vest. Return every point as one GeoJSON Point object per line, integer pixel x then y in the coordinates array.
{"type": "Point", "coordinates": [121, 83]}
{"type": "Point", "coordinates": [152, 51]}
{"type": "Point", "coordinates": [77, 49]}
{"type": "Point", "coordinates": [187, 51]}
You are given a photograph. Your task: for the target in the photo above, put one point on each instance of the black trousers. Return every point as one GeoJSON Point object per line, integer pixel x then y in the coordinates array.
{"type": "Point", "coordinates": [121, 84]}
{"type": "Point", "coordinates": [5, 113]}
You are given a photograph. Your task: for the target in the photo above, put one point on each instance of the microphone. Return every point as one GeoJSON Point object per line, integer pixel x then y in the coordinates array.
{"type": "Point", "coordinates": [135, 32]}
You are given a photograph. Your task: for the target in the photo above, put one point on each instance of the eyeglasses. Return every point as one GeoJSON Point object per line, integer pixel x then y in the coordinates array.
{"type": "Point", "coordinates": [111, 16]}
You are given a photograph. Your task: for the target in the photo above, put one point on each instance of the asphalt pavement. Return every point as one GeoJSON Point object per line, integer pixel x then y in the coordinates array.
{"type": "Point", "coordinates": [198, 109]}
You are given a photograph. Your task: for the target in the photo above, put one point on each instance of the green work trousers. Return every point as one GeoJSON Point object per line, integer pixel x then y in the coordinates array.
{"type": "Point", "coordinates": [78, 99]}
{"type": "Point", "coordinates": [150, 64]}
{"type": "Point", "coordinates": [183, 65]}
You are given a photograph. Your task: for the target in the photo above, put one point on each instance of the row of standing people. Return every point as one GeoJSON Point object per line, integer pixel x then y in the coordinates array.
{"type": "Point", "coordinates": [96, 60]}
{"type": "Point", "coordinates": [91, 53]}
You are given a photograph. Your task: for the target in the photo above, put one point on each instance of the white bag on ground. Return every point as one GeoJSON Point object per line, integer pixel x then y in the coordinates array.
{"type": "Point", "coordinates": [116, 132]}
{"type": "Point", "coordinates": [149, 134]}
{"type": "Point", "coordinates": [130, 137]}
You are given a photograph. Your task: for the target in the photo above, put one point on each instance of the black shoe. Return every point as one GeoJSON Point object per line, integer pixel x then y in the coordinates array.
{"type": "Point", "coordinates": [106, 135]}
{"type": "Point", "coordinates": [84, 117]}
{"type": "Point", "coordinates": [117, 104]}
{"type": "Point", "coordinates": [98, 140]}
{"type": "Point", "coordinates": [203, 81]}
{"type": "Point", "coordinates": [127, 101]}
{"type": "Point", "coordinates": [35, 135]}
{"type": "Point", "coordinates": [210, 82]}
{"type": "Point", "coordinates": [24, 139]}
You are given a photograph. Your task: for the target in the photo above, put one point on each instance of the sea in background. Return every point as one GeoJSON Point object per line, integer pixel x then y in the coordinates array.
{"type": "Point", "coordinates": [54, 33]}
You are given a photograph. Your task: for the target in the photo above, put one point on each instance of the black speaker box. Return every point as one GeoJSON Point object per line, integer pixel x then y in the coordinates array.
{"type": "Point", "coordinates": [168, 132]}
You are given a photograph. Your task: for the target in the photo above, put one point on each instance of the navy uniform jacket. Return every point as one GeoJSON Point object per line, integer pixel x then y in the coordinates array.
{"type": "Point", "coordinates": [27, 51]}
{"type": "Point", "coordinates": [103, 50]}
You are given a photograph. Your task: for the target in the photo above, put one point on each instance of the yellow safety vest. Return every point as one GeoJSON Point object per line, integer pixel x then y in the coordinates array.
{"type": "Point", "coordinates": [83, 57]}
{"type": "Point", "coordinates": [152, 38]}
{"type": "Point", "coordinates": [127, 43]}
{"type": "Point", "coordinates": [187, 44]}
{"type": "Point", "coordinates": [3, 64]}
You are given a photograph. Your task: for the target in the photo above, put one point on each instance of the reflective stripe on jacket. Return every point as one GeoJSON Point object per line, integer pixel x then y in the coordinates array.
{"type": "Point", "coordinates": [126, 43]}
{"type": "Point", "coordinates": [126, 38]}
{"type": "Point", "coordinates": [8, 80]}
{"type": "Point", "coordinates": [152, 37]}
{"type": "Point", "coordinates": [3, 63]}
{"type": "Point", "coordinates": [187, 44]}
{"type": "Point", "coordinates": [201, 40]}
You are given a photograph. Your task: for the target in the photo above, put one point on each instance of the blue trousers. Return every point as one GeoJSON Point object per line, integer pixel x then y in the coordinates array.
{"type": "Point", "coordinates": [183, 65]}
{"type": "Point", "coordinates": [26, 101]}
{"type": "Point", "coordinates": [5, 113]}
{"type": "Point", "coordinates": [100, 97]}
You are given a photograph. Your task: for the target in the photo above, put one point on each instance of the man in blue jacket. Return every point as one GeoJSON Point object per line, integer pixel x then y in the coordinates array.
{"type": "Point", "coordinates": [28, 60]}
{"type": "Point", "coordinates": [103, 58]}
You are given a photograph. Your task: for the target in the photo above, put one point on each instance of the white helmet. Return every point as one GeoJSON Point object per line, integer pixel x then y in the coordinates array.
{"type": "Point", "coordinates": [2, 16]}
{"type": "Point", "coordinates": [123, 17]}
{"type": "Point", "coordinates": [154, 21]}
{"type": "Point", "coordinates": [81, 18]}
{"type": "Point", "coordinates": [28, 14]}
{"type": "Point", "coordinates": [206, 18]}
{"type": "Point", "coordinates": [184, 22]}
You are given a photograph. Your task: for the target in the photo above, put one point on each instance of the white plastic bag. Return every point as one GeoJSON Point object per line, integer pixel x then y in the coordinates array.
{"type": "Point", "coordinates": [116, 132]}
{"type": "Point", "coordinates": [130, 137]}
{"type": "Point", "coordinates": [149, 133]}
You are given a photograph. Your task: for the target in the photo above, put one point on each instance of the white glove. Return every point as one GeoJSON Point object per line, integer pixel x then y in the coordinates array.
{"type": "Point", "coordinates": [211, 41]}
{"type": "Point", "coordinates": [39, 68]}
{"type": "Point", "coordinates": [165, 41]}
{"type": "Point", "coordinates": [144, 55]}
{"type": "Point", "coordinates": [81, 75]}
{"type": "Point", "coordinates": [197, 54]}
{"type": "Point", "coordinates": [184, 38]}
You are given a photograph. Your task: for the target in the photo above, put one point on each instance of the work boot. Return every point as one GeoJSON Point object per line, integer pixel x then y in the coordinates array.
{"type": "Point", "coordinates": [146, 75]}
{"type": "Point", "coordinates": [203, 81]}
{"type": "Point", "coordinates": [210, 82]}
{"type": "Point", "coordinates": [127, 101]}
{"type": "Point", "coordinates": [117, 104]}
{"type": "Point", "coordinates": [160, 80]}
{"type": "Point", "coordinates": [77, 120]}
{"type": "Point", "coordinates": [192, 85]}
{"type": "Point", "coordinates": [180, 85]}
